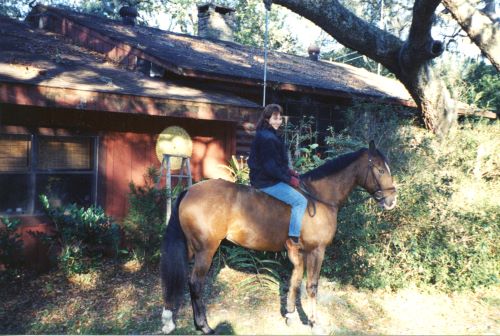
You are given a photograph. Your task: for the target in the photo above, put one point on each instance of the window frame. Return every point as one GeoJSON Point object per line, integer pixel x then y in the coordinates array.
{"type": "Point", "coordinates": [33, 171]}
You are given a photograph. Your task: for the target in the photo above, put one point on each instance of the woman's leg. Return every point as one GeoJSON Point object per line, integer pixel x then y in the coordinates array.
{"type": "Point", "coordinates": [296, 200]}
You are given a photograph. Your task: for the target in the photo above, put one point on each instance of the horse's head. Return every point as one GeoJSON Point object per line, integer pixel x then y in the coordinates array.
{"type": "Point", "coordinates": [377, 179]}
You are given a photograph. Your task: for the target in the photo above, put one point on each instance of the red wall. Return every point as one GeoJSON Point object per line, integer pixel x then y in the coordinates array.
{"type": "Point", "coordinates": [126, 157]}
{"type": "Point", "coordinates": [126, 149]}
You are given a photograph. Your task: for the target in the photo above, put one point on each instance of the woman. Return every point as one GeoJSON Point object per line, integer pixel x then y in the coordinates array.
{"type": "Point", "coordinates": [269, 172]}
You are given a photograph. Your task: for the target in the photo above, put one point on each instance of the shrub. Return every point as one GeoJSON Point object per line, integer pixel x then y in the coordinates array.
{"type": "Point", "coordinates": [11, 245]}
{"type": "Point", "coordinates": [444, 231]}
{"type": "Point", "coordinates": [84, 234]}
{"type": "Point", "coordinates": [145, 221]}
{"type": "Point", "coordinates": [238, 170]}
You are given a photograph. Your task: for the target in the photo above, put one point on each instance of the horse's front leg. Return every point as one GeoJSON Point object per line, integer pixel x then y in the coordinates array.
{"type": "Point", "coordinates": [314, 260]}
{"type": "Point", "coordinates": [297, 259]}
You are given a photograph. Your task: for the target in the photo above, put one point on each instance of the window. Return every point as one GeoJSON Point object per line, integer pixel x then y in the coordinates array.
{"type": "Point", "coordinates": [63, 168]}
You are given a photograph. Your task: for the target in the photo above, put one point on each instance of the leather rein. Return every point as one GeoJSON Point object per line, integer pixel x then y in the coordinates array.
{"type": "Point", "coordinates": [377, 195]}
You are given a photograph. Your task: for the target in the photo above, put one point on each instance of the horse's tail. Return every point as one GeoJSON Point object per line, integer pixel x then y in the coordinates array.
{"type": "Point", "coordinates": [174, 259]}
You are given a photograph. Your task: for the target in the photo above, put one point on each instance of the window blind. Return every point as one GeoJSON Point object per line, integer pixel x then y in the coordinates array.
{"type": "Point", "coordinates": [66, 154]}
{"type": "Point", "coordinates": [14, 153]}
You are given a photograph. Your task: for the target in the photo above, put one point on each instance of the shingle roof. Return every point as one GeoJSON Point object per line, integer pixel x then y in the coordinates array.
{"type": "Point", "coordinates": [39, 57]}
{"type": "Point", "coordinates": [194, 56]}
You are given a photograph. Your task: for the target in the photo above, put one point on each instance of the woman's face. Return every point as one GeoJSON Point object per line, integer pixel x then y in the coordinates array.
{"type": "Point", "coordinates": [276, 120]}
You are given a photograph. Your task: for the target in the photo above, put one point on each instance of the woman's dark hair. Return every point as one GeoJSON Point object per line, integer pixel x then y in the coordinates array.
{"type": "Point", "coordinates": [267, 113]}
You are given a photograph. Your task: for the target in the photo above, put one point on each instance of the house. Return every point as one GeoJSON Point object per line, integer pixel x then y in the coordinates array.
{"type": "Point", "coordinates": [83, 99]}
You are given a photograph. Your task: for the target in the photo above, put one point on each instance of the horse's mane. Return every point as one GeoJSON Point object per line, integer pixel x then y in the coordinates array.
{"type": "Point", "coordinates": [334, 165]}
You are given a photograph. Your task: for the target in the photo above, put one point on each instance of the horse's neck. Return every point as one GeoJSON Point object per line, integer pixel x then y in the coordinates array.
{"type": "Point", "coordinates": [336, 187]}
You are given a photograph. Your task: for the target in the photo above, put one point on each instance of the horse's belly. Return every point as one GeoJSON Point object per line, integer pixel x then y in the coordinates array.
{"type": "Point", "coordinates": [259, 231]}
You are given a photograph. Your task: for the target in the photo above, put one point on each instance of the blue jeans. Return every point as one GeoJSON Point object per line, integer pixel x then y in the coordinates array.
{"type": "Point", "coordinates": [292, 197]}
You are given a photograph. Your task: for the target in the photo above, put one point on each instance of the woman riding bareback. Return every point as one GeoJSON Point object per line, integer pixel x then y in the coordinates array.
{"type": "Point", "coordinates": [269, 171]}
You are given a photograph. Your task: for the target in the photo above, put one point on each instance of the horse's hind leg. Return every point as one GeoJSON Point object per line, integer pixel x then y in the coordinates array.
{"type": "Point", "coordinates": [297, 259]}
{"type": "Point", "coordinates": [202, 261]}
{"type": "Point", "coordinates": [314, 260]}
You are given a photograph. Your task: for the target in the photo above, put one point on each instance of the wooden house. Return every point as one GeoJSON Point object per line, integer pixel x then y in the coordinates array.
{"type": "Point", "coordinates": [83, 99]}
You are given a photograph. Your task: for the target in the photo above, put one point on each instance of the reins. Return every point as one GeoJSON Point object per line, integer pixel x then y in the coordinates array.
{"type": "Point", "coordinates": [313, 199]}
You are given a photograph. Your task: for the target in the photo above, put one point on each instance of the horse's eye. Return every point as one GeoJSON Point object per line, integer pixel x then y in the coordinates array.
{"type": "Point", "coordinates": [381, 171]}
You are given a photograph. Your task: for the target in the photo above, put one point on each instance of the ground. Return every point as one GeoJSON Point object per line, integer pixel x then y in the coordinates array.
{"type": "Point", "coordinates": [126, 299]}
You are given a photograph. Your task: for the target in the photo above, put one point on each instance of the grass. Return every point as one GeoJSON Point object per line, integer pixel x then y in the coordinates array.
{"type": "Point", "coordinates": [123, 298]}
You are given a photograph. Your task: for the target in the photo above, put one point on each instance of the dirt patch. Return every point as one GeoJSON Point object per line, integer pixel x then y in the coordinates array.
{"type": "Point", "coordinates": [345, 310]}
{"type": "Point", "coordinates": [127, 300]}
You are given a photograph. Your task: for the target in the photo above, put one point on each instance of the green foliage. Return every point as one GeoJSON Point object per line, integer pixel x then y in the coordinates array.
{"type": "Point", "coordinates": [469, 81]}
{"type": "Point", "coordinates": [145, 221]}
{"type": "Point", "coordinates": [307, 158]}
{"type": "Point", "coordinates": [483, 84]}
{"type": "Point", "coordinates": [250, 26]}
{"type": "Point", "coordinates": [445, 229]}
{"type": "Point", "coordinates": [238, 170]}
{"type": "Point", "coordinates": [301, 140]}
{"type": "Point", "coordinates": [263, 267]}
{"type": "Point", "coordinates": [84, 234]}
{"type": "Point", "coordinates": [11, 245]}
{"type": "Point", "coordinates": [13, 8]}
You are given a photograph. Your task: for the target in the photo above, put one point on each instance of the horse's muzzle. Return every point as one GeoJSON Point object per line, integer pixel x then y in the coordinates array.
{"type": "Point", "coordinates": [388, 202]}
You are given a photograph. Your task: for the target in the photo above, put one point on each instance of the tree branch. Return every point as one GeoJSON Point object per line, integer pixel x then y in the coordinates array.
{"type": "Point", "coordinates": [482, 30]}
{"type": "Point", "coordinates": [348, 29]}
{"type": "Point", "coordinates": [420, 46]}
{"type": "Point", "coordinates": [409, 60]}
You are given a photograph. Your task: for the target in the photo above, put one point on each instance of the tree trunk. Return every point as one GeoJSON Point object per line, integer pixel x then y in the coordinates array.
{"type": "Point", "coordinates": [409, 60]}
{"type": "Point", "coordinates": [481, 28]}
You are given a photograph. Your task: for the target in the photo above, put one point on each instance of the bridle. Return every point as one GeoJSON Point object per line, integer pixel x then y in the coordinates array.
{"type": "Point", "coordinates": [377, 195]}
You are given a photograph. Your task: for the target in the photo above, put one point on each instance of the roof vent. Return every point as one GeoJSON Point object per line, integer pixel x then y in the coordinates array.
{"type": "Point", "coordinates": [216, 22]}
{"type": "Point", "coordinates": [128, 14]}
{"type": "Point", "coordinates": [313, 51]}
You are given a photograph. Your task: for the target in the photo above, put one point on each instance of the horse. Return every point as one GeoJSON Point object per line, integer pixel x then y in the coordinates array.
{"type": "Point", "coordinates": [214, 210]}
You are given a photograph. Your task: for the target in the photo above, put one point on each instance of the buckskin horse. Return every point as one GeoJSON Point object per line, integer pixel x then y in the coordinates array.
{"type": "Point", "coordinates": [214, 210]}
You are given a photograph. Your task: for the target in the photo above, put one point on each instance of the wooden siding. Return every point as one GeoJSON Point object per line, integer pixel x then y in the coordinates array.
{"type": "Point", "coordinates": [127, 144]}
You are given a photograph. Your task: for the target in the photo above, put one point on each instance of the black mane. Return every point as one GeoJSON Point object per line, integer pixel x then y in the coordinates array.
{"type": "Point", "coordinates": [333, 166]}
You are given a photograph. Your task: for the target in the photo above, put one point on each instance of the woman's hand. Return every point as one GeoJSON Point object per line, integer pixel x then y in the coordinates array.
{"type": "Point", "coordinates": [294, 182]}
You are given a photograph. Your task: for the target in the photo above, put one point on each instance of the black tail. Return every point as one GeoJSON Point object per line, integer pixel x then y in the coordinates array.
{"type": "Point", "coordinates": [174, 259]}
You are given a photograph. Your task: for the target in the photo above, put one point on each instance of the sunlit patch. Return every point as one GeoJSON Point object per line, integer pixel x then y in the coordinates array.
{"type": "Point", "coordinates": [470, 193]}
{"type": "Point", "coordinates": [85, 281]}
{"type": "Point", "coordinates": [21, 71]}
{"type": "Point", "coordinates": [132, 266]}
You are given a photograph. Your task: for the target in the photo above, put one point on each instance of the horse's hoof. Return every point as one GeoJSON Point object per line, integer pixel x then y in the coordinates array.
{"type": "Point", "coordinates": [206, 330]}
{"type": "Point", "coordinates": [290, 319]}
{"type": "Point", "coordinates": [317, 330]}
{"type": "Point", "coordinates": [167, 329]}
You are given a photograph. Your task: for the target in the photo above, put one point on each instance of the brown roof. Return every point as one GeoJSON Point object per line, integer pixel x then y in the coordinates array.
{"type": "Point", "coordinates": [46, 59]}
{"type": "Point", "coordinates": [199, 57]}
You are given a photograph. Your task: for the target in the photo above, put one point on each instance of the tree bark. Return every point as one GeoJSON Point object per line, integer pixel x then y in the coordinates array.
{"type": "Point", "coordinates": [409, 60]}
{"type": "Point", "coordinates": [482, 29]}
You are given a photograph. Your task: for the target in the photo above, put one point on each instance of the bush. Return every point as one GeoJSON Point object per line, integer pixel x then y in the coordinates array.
{"type": "Point", "coordinates": [445, 229]}
{"type": "Point", "coordinates": [84, 234]}
{"type": "Point", "coordinates": [145, 221]}
{"type": "Point", "coordinates": [238, 170]}
{"type": "Point", "coordinates": [11, 245]}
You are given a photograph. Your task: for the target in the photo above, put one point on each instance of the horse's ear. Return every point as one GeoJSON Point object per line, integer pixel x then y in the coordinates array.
{"type": "Point", "coordinates": [372, 147]}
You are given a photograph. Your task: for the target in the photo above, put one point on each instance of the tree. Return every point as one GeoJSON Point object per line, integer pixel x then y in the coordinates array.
{"type": "Point", "coordinates": [482, 26]}
{"type": "Point", "coordinates": [409, 60]}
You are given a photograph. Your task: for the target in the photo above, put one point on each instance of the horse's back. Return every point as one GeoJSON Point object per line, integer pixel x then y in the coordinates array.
{"type": "Point", "coordinates": [217, 209]}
